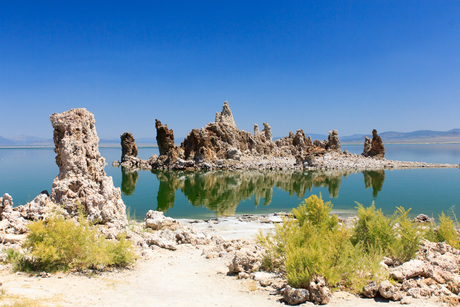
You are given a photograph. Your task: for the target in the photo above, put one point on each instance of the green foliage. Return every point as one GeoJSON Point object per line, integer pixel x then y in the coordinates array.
{"type": "Point", "coordinates": [373, 230]}
{"type": "Point", "coordinates": [313, 211]}
{"type": "Point", "coordinates": [63, 244]}
{"type": "Point", "coordinates": [395, 237]}
{"type": "Point", "coordinates": [310, 242]}
{"type": "Point", "coordinates": [19, 261]}
{"type": "Point", "coordinates": [407, 236]}
{"type": "Point", "coordinates": [447, 231]}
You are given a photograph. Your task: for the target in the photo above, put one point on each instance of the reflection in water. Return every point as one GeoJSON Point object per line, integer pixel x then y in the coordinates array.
{"type": "Point", "coordinates": [222, 191]}
{"type": "Point", "coordinates": [128, 181]}
{"type": "Point", "coordinates": [375, 180]}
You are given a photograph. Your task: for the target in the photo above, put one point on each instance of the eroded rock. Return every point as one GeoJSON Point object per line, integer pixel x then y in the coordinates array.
{"type": "Point", "coordinates": [156, 220]}
{"type": "Point", "coordinates": [82, 179]}
{"type": "Point", "coordinates": [128, 146]}
{"type": "Point", "coordinates": [295, 296]}
{"type": "Point", "coordinates": [388, 291]}
{"type": "Point", "coordinates": [371, 290]}
{"type": "Point", "coordinates": [319, 291]}
{"type": "Point", "coordinates": [246, 260]}
{"type": "Point", "coordinates": [377, 149]}
{"type": "Point", "coordinates": [333, 142]}
{"type": "Point", "coordinates": [13, 220]}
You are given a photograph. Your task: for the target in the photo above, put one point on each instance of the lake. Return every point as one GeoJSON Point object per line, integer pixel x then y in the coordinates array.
{"type": "Point", "coordinates": [25, 172]}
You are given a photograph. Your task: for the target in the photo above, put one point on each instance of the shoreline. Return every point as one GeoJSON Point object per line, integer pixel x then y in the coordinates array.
{"type": "Point", "coordinates": [140, 145]}
{"type": "Point", "coordinates": [193, 271]}
{"type": "Point", "coordinates": [331, 160]}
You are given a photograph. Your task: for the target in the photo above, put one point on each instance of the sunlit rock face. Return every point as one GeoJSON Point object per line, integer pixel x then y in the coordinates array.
{"type": "Point", "coordinates": [82, 179]}
{"type": "Point", "coordinates": [128, 146]}
{"type": "Point", "coordinates": [215, 140]}
{"type": "Point", "coordinates": [333, 141]}
{"type": "Point", "coordinates": [222, 139]}
{"type": "Point", "coordinates": [376, 149]}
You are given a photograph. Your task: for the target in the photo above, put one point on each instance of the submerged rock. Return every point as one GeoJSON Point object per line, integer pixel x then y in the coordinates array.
{"type": "Point", "coordinates": [82, 179]}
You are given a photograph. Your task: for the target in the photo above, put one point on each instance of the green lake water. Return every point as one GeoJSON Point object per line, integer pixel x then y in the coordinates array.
{"type": "Point", "coordinates": [26, 172]}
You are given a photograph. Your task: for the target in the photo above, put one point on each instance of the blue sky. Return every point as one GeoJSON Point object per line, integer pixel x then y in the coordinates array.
{"type": "Point", "coordinates": [315, 65]}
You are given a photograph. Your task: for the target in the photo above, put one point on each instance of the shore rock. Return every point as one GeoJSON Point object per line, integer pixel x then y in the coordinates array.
{"type": "Point", "coordinates": [13, 220]}
{"type": "Point", "coordinates": [388, 291]}
{"type": "Point", "coordinates": [319, 291]}
{"type": "Point", "coordinates": [294, 296]}
{"type": "Point", "coordinates": [247, 260]}
{"type": "Point", "coordinates": [371, 290]}
{"type": "Point", "coordinates": [82, 179]}
{"type": "Point", "coordinates": [156, 220]}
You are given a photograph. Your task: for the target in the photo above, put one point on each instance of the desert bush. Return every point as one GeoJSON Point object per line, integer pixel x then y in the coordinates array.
{"type": "Point", "coordinates": [63, 244]}
{"type": "Point", "coordinates": [397, 237]}
{"type": "Point", "coordinates": [407, 236]}
{"type": "Point", "coordinates": [373, 230]}
{"type": "Point", "coordinates": [310, 242]}
{"type": "Point", "coordinates": [447, 231]}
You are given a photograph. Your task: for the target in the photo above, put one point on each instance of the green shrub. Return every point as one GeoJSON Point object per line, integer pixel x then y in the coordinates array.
{"type": "Point", "coordinates": [395, 237]}
{"type": "Point", "coordinates": [310, 242]}
{"type": "Point", "coordinates": [62, 244]}
{"type": "Point", "coordinates": [407, 236]}
{"type": "Point", "coordinates": [19, 261]}
{"type": "Point", "coordinates": [447, 231]}
{"type": "Point", "coordinates": [373, 230]}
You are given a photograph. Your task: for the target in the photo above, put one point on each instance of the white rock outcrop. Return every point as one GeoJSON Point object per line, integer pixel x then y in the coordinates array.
{"type": "Point", "coordinates": [82, 179]}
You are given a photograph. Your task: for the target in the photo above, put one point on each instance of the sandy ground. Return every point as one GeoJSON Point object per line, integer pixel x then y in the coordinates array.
{"type": "Point", "coordinates": [170, 278]}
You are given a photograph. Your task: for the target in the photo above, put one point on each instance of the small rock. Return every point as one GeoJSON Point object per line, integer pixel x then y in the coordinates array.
{"type": "Point", "coordinates": [294, 296]}
{"type": "Point", "coordinates": [406, 300]}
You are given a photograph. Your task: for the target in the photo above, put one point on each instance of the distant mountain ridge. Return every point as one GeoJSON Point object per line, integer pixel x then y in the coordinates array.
{"type": "Point", "coordinates": [419, 136]}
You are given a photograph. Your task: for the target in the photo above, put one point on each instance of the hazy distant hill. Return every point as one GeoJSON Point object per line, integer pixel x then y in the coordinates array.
{"type": "Point", "coordinates": [25, 140]}
{"type": "Point", "coordinates": [420, 136]}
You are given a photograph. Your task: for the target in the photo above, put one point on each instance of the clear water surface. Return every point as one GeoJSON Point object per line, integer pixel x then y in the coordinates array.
{"type": "Point", "coordinates": [25, 172]}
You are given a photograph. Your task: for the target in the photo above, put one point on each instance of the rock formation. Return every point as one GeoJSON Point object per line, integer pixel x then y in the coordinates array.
{"type": "Point", "coordinates": [13, 220]}
{"type": "Point", "coordinates": [223, 141]}
{"type": "Point", "coordinates": [376, 147]}
{"type": "Point", "coordinates": [225, 116]}
{"type": "Point", "coordinates": [165, 138]}
{"type": "Point", "coordinates": [129, 158]}
{"type": "Point", "coordinates": [333, 142]}
{"type": "Point", "coordinates": [215, 140]}
{"type": "Point", "coordinates": [82, 179]}
{"type": "Point", "coordinates": [128, 146]}
{"type": "Point", "coordinates": [367, 146]}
